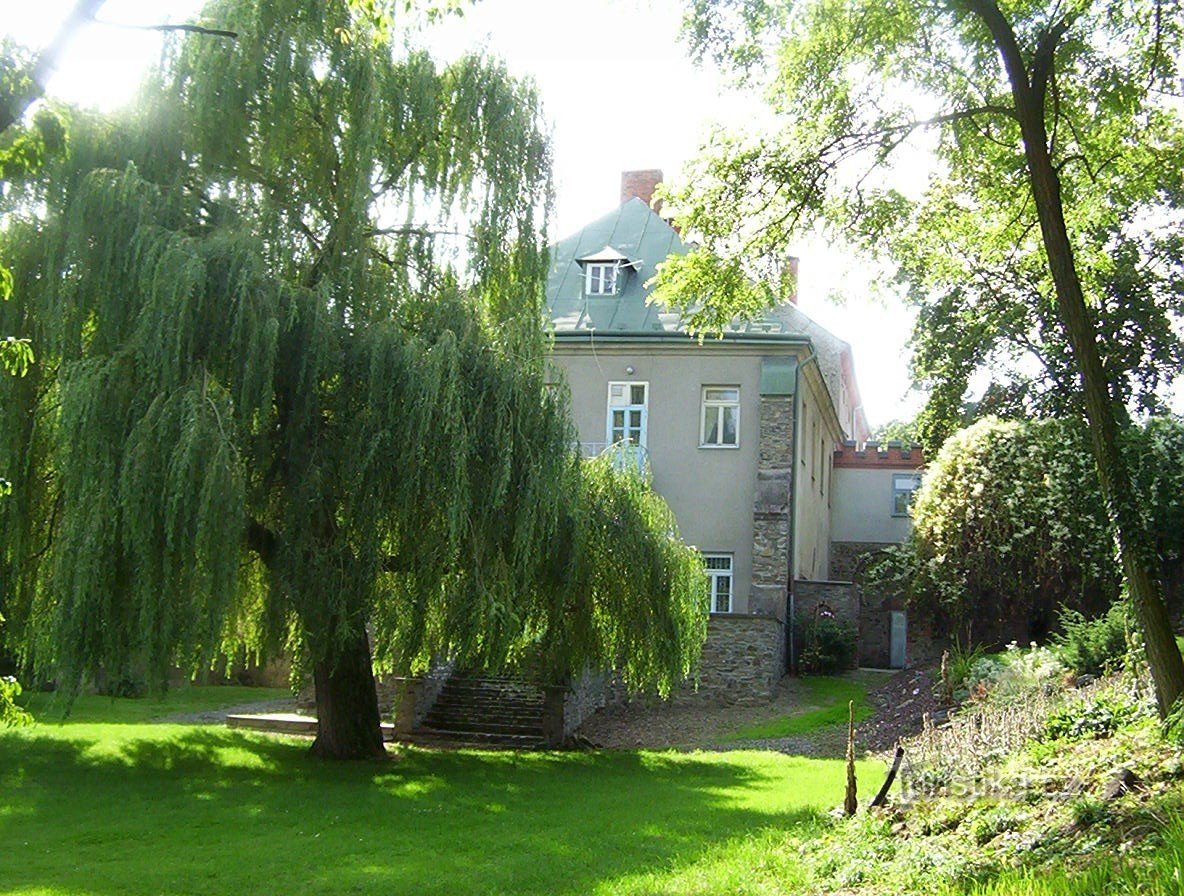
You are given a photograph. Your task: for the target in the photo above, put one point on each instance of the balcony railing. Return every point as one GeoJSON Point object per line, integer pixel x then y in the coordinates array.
{"type": "Point", "coordinates": [625, 455]}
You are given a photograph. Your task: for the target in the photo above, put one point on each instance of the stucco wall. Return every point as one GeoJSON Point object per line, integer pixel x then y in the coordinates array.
{"type": "Point", "coordinates": [862, 507]}
{"type": "Point", "coordinates": [816, 440]}
{"type": "Point", "coordinates": [710, 490]}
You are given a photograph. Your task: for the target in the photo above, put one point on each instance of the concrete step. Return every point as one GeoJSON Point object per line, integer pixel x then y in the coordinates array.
{"type": "Point", "coordinates": [484, 726]}
{"type": "Point", "coordinates": [442, 737]}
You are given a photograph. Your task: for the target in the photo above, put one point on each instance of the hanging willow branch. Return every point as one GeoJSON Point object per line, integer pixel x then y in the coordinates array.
{"type": "Point", "coordinates": [280, 416]}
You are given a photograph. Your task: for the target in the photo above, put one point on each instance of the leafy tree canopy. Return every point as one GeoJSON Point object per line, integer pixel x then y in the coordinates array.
{"type": "Point", "coordinates": [1057, 134]}
{"type": "Point", "coordinates": [1009, 524]}
{"type": "Point", "coordinates": [293, 384]}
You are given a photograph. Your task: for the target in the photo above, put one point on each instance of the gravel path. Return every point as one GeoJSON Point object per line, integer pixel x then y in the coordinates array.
{"type": "Point", "coordinates": [218, 716]}
{"type": "Point", "coordinates": [900, 701]}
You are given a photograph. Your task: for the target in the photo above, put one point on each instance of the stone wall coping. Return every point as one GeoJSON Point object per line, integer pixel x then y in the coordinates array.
{"type": "Point", "coordinates": [734, 616]}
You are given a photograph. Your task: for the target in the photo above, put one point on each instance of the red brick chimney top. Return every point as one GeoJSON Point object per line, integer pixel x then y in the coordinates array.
{"type": "Point", "coordinates": [641, 184]}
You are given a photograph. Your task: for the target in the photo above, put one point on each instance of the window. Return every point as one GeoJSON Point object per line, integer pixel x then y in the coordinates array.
{"type": "Point", "coordinates": [720, 420]}
{"type": "Point", "coordinates": [719, 572]}
{"type": "Point", "coordinates": [600, 279]}
{"type": "Point", "coordinates": [904, 486]}
{"type": "Point", "coordinates": [627, 412]}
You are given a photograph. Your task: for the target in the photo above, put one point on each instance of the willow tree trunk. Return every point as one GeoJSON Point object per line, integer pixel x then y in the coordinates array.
{"type": "Point", "coordinates": [348, 723]}
{"type": "Point", "coordinates": [1139, 563]}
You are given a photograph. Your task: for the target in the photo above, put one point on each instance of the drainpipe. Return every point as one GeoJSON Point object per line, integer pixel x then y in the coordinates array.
{"type": "Point", "coordinates": [793, 505]}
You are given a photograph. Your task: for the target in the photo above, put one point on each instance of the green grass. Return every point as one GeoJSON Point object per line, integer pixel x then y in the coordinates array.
{"type": "Point", "coordinates": [148, 809]}
{"type": "Point", "coordinates": [1159, 874]}
{"type": "Point", "coordinates": [49, 707]}
{"type": "Point", "coordinates": [825, 702]}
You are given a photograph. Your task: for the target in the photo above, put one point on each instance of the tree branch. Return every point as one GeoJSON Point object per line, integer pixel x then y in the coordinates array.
{"type": "Point", "coordinates": [1042, 59]}
{"type": "Point", "coordinates": [191, 29]}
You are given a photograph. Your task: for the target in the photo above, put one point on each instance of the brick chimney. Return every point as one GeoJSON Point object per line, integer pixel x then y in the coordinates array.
{"type": "Point", "coordinates": [642, 185]}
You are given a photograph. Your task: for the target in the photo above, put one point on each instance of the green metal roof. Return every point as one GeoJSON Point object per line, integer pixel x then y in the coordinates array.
{"type": "Point", "coordinates": [641, 237]}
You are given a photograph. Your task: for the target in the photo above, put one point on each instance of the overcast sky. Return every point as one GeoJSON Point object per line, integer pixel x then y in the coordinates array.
{"type": "Point", "coordinates": [621, 94]}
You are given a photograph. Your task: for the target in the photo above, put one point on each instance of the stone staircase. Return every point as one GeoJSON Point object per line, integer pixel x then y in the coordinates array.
{"type": "Point", "coordinates": [485, 712]}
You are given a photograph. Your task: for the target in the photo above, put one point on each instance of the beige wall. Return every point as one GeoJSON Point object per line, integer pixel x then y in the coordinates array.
{"type": "Point", "coordinates": [863, 507]}
{"type": "Point", "coordinates": [710, 490]}
{"type": "Point", "coordinates": [817, 436]}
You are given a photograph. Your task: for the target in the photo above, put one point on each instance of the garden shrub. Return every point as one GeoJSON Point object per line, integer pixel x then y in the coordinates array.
{"type": "Point", "coordinates": [1009, 524]}
{"type": "Point", "coordinates": [1013, 675]}
{"type": "Point", "coordinates": [11, 714]}
{"type": "Point", "coordinates": [1090, 718]}
{"type": "Point", "coordinates": [828, 646]}
{"type": "Point", "coordinates": [1093, 646]}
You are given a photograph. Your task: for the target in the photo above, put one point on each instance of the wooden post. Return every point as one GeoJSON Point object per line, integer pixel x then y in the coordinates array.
{"type": "Point", "coordinates": [850, 802]}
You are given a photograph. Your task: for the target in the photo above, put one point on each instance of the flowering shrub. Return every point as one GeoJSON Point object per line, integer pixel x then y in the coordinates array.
{"type": "Point", "coordinates": [828, 646]}
{"type": "Point", "coordinates": [1014, 674]}
{"type": "Point", "coordinates": [1009, 525]}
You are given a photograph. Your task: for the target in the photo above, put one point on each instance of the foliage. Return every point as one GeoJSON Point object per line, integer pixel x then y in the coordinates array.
{"type": "Point", "coordinates": [290, 305]}
{"type": "Point", "coordinates": [1094, 646]}
{"type": "Point", "coordinates": [957, 669]}
{"type": "Point", "coordinates": [1009, 524]}
{"type": "Point", "coordinates": [1014, 675]}
{"type": "Point", "coordinates": [828, 646]}
{"type": "Point", "coordinates": [1055, 198]}
{"type": "Point", "coordinates": [1090, 718]}
{"type": "Point", "coordinates": [852, 86]}
{"type": "Point", "coordinates": [897, 431]}
{"type": "Point", "coordinates": [1007, 527]}
{"type": "Point", "coordinates": [11, 713]}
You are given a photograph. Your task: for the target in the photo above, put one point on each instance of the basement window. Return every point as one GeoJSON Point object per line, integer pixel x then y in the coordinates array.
{"type": "Point", "coordinates": [719, 572]}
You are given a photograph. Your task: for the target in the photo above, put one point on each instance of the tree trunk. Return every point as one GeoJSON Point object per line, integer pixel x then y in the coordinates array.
{"type": "Point", "coordinates": [347, 704]}
{"type": "Point", "coordinates": [1139, 561]}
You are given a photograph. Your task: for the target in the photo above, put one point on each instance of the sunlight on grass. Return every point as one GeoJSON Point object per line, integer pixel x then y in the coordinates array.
{"type": "Point", "coordinates": [88, 708]}
{"type": "Point", "coordinates": [122, 809]}
{"type": "Point", "coordinates": [824, 704]}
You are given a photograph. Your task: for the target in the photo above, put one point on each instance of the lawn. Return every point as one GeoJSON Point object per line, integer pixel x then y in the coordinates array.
{"type": "Point", "coordinates": [48, 707]}
{"type": "Point", "coordinates": [824, 702]}
{"type": "Point", "coordinates": [147, 808]}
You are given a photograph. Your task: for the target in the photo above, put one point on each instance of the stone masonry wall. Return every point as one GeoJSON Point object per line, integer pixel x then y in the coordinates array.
{"type": "Point", "coordinates": [743, 659]}
{"type": "Point", "coordinates": [770, 512]}
{"type": "Point", "coordinates": [848, 558]}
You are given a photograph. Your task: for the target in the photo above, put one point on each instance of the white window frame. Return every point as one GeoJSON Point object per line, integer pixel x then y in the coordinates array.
{"type": "Point", "coordinates": [717, 405]}
{"type": "Point", "coordinates": [904, 484]}
{"type": "Point", "coordinates": [715, 576]}
{"type": "Point", "coordinates": [629, 405]}
{"type": "Point", "coordinates": [601, 274]}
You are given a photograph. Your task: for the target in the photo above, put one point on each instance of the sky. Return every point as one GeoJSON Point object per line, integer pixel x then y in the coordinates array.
{"type": "Point", "coordinates": [621, 94]}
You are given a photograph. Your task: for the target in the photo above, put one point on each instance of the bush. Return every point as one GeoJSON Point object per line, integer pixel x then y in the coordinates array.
{"type": "Point", "coordinates": [828, 645]}
{"type": "Point", "coordinates": [1090, 719]}
{"type": "Point", "coordinates": [11, 714]}
{"type": "Point", "coordinates": [1014, 675]}
{"type": "Point", "coordinates": [1093, 646]}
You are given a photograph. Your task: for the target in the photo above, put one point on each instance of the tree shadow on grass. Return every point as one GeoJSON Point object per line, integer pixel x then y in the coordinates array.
{"type": "Point", "coordinates": [213, 811]}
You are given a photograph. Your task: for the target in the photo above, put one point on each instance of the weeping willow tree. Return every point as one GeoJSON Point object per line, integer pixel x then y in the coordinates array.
{"type": "Point", "coordinates": [275, 406]}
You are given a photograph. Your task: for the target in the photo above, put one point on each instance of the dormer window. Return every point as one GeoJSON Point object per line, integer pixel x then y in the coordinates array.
{"type": "Point", "coordinates": [600, 278]}
{"type": "Point", "coordinates": [604, 271]}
